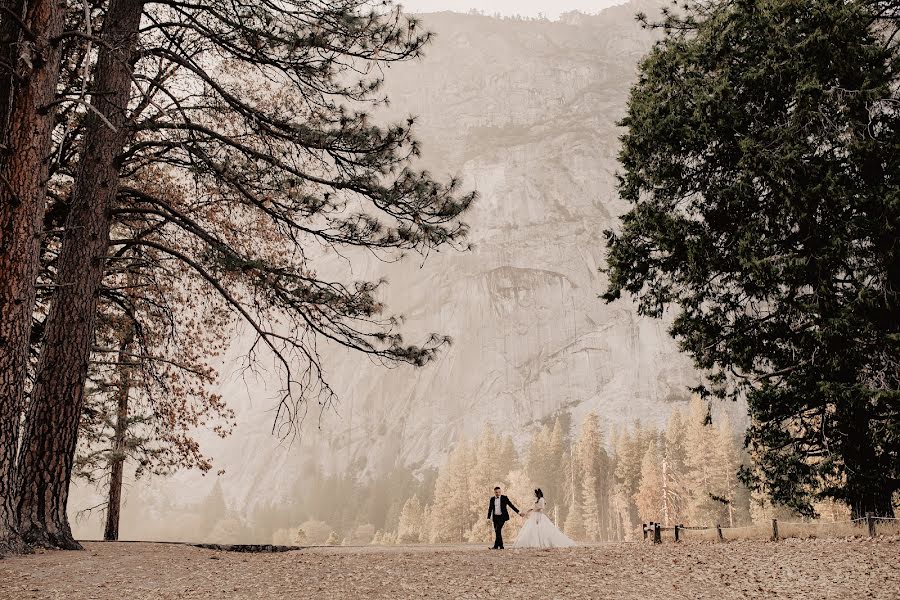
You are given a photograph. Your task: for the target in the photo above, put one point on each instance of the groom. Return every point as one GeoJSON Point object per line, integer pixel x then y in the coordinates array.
{"type": "Point", "coordinates": [497, 511]}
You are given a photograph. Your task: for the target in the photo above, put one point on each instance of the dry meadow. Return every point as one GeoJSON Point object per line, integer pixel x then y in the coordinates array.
{"type": "Point", "coordinates": [802, 569]}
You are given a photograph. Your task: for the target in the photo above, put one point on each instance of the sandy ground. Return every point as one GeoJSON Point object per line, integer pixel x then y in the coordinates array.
{"type": "Point", "coordinates": [811, 569]}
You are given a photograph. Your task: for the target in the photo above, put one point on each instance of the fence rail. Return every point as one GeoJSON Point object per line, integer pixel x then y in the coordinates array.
{"type": "Point", "coordinates": [653, 531]}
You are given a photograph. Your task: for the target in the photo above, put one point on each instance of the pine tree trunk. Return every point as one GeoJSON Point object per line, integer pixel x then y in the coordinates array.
{"type": "Point", "coordinates": [603, 499]}
{"type": "Point", "coordinates": [114, 503]}
{"type": "Point", "coordinates": [23, 176]}
{"type": "Point", "coordinates": [10, 33]}
{"type": "Point", "coordinates": [665, 492]}
{"type": "Point", "coordinates": [51, 431]}
{"type": "Point", "coordinates": [117, 462]}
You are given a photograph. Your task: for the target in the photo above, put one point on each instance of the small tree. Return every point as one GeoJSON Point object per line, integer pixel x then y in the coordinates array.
{"type": "Point", "coordinates": [300, 538]}
{"type": "Point", "coordinates": [409, 529]}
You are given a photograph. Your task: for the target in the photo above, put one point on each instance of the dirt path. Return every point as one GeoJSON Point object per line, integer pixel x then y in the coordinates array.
{"type": "Point", "coordinates": [788, 569]}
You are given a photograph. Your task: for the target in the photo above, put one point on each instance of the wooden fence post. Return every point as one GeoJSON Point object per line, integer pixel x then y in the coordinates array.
{"type": "Point", "coordinates": [719, 535]}
{"type": "Point", "coordinates": [774, 530]}
{"type": "Point", "coordinates": [657, 534]}
{"type": "Point", "coordinates": [870, 522]}
{"type": "Point", "coordinates": [677, 536]}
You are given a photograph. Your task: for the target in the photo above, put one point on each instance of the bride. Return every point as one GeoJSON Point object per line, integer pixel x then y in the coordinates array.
{"type": "Point", "coordinates": [539, 531]}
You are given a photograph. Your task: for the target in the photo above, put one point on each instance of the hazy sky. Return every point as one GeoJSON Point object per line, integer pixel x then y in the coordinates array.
{"type": "Point", "coordinates": [550, 8]}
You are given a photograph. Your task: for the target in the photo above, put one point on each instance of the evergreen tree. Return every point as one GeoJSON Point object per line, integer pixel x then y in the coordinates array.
{"type": "Point", "coordinates": [765, 208]}
{"type": "Point", "coordinates": [214, 509]}
{"type": "Point", "coordinates": [574, 525]}
{"type": "Point", "coordinates": [650, 495]}
{"type": "Point", "coordinates": [492, 466]}
{"type": "Point", "coordinates": [426, 527]}
{"type": "Point", "coordinates": [674, 475]}
{"type": "Point", "coordinates": [571, 476]}
{"type": "Point", "coordinates": [591, 508]}
{"type": "Point", "coordinates": [409, 530]}
{"type": "Point", "coordinates": [726, 460]}
{"type": "Point", "coordinates": [702, 477]}
{"type": "Point", "coordinates": [554, 485]}
{"type": "Point", "coordinates": [537, 464]}
{"type": "Point", "coordinates": [629, 450]}
{"type": "Point", "coordinates": [452, 496]}
{"type": "Point", "coordinates": [590, 460]}
{"type": "Point", "coordinates": [300, 537]}
{"type": "Point", "coordinates": [508, 460]}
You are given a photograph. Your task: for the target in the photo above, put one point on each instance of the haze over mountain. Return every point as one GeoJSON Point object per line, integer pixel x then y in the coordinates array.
{"type": "Point", "coordinates": [525, 112]}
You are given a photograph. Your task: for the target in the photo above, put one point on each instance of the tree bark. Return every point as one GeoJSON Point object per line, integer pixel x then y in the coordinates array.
{"type": "Point", "coordinates": [10, 34]}
{"type": "Point", "coordinates": [118, 455]}
{"type": "Point", "coordinates": [23, 177]}
{"type": "Point", "coordinates": [51, 430]}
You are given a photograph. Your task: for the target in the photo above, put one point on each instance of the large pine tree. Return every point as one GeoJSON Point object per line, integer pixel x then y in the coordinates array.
{"type": "Point", "coordinates": [29, 72]}
{"type": "Point", "coordinates": [762, 161]}
{"type": "Point", "coordinates": [254, 105]}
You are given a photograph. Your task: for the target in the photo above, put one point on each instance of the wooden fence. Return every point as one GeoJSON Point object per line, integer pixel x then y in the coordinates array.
{"type": "Point", "coordinates": [653, 532]}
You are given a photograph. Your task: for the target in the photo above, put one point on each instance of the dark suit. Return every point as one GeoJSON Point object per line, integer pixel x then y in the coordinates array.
{"type": "Point", "coordinates": [501, 519]}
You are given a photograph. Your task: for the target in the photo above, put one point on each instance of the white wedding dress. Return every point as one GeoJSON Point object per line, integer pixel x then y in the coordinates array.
{"type": "Point", "coordinates": [540, 532]}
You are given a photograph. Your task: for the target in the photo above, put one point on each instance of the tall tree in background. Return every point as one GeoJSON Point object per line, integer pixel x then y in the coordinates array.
{"type": "Point", "coordinates": [650, 497]}
{"type": "Point", "coordinates": [591, 466]}
{"type": "Point", "coordinates": [29, 70]}
{"type": "Point", "coordinates": [574, 524]}
{"type": "Point", "coordinates": [701, 475]}
{"type": "Point", "coordinates": [762, 160]}
{"type": "Point", "coordinates": [674, 470]}
{"type": "Point", "coordinates": [558, 446]}
{"type": "Point", "coordinates": [452, 512]}
{"type": "Point", "coordinates": [629, 448]}
{"type": "Point", "coordinates": [727, 460]}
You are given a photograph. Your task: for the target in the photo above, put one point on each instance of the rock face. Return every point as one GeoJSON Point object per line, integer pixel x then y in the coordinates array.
{"type": "Point", "coordinates": [525, 112]}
